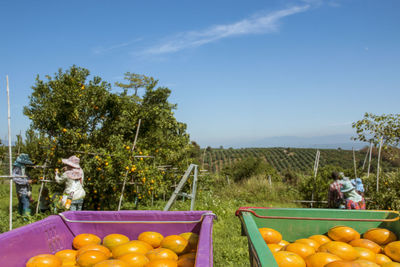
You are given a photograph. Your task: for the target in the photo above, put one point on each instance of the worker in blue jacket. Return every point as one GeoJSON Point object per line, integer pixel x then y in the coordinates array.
{"type": "Point", "coordinates": [22, 183]}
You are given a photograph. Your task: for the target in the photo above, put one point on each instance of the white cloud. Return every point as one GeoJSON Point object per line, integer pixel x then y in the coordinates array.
{"type": "Point", "coordinates": [102, 49]}
{"type": "Point", "coordinates": [260, 24]}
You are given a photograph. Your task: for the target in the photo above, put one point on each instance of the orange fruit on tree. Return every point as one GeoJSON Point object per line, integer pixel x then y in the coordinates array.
{"type": "Point", "coordinates": [270, 235]}
{"type": "Point", "coordinates": [162, 263]}
{"type": "Point", "coordinates": [85, 239]}
{"type": "Point", "coordinates": [44, 260]}
{"type": "Point", "coordinates": [365, 254]}
{"type": "Point", "coordinates": [340, 249]}
{"type": "Point", "coordinates": [113, 240]}
{"type": "Point", "coordinates": [320, 259]}
{"type": "Point", "coordinates": [90, 258]}
{"type": "Point", "coordinates": [192, 238]}
{"type": "Point", "coordinates": [274, 247]}
{"type": "Point", "coordinates": [186, 262]}
{"type": "Point", "coordinates": [300, 249]}
{"type": "Point", "coordinates": [288, 259]}
{"type": "Point", "coordinates": [343, 264]}
{"type": "Point", "coordinates": [152, 238]}
{"type": "Point", "coordinates": [310, 242]}
{"type": "Point", "coordinates": [343, 233]}
{"type": "Point", "coordinates": [392, 250]}
{"type": "Point", "coordinates": [161, 253]}
{"type": "Point", "coordinates": [135, 259]}
{"type": "Point", "coordinates": [100, 248]}
{"type": "Point", "coordinates": [130, 247]}
{"type": "Point", "coordinates": [321, 239]}
{"type": "Point", "coordinates": [111, 263]}
{"type": "Point", "coordinates": [67, 255]}
{"type": "Point", "coordinates": [381, 236]}
{"type": "Point", "coordinates": [176, 243]}
{"type": "Point", "coordinates": [381, 259]}
{"type": "Point", "coordinates": [365, 263]}
{"type": "Point", "coordinates": [366, 243]}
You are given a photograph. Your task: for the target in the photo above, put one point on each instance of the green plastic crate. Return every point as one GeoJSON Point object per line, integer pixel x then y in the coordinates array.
{"type": "Point", "coordinates": [301, 223]}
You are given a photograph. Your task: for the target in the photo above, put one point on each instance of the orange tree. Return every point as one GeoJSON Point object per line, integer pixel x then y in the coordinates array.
{"type": "Point", "coordinates": [72, 114]}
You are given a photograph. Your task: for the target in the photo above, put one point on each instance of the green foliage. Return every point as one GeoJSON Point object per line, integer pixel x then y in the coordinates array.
{"type": "Point", "coordinates": [74, 115]}
{"type": "Point", "coordinates": [244, 169]}
{"type": "Point", "coordinates": [373, 128]}
{"type": "Point", "coordinates": [388, 196]}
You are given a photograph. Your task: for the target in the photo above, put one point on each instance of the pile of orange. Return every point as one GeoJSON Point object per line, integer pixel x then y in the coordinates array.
{"type": "Point", "coordinates": [151, 249]}
{"type": "Point", "coordinates": [341, 247]}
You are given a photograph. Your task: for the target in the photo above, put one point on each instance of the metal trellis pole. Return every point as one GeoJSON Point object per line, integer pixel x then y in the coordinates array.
{"type": "Point", "coordinates": [9, 150]}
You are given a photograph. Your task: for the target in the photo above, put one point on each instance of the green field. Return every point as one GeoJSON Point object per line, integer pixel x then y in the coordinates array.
{"type": "Point", "coordinates": [282, 159]}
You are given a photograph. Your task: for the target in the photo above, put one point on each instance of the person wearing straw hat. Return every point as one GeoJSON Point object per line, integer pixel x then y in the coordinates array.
{"type": "Point", "coordinates": [22, 183]}
{"type": "Point", "coordinates": [73, 178]}
{"type": "Point", "coordinates": [354, 201]}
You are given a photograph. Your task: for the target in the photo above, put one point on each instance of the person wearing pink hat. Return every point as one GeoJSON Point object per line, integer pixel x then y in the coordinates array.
{"type": "Point", "coordinates": [73, 179]}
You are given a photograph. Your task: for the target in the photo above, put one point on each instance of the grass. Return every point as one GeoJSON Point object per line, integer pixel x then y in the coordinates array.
{"type": "Point", "coordinates": [230, 248]}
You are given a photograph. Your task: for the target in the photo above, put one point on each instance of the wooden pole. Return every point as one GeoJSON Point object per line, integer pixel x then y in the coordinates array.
{"type": "Point", "coordinates": [10, 152]}
{"type": "Point", "coordinates": [354, 163]}
{"type": "Point", "coordinates": [126, 173]}
{"type": "Point", "coordinates": [377, 171]}
{"type": "Point", "coordinates": [369, 161]}
{"type": "Point", "coordinates": [366, 156]}
{"type": "Point", "coordinates": [316, 162]}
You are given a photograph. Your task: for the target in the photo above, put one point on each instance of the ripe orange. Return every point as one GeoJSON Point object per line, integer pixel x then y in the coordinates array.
{"type": "Point", "coordinates": [380, 236]}
{"type": "Point", "coordinates": [191, 255]}
{"type": "Point", "coordinates": [192, 238]}
{"type": "Point", "coordinates": [300, 249]}
{"type": "Point", "coordinates": [365, 254]}
{"type": "Point", "coordinates": [90, 258]}
{"type": "Point", "coordinates": [100, 248]}
{"type": "Point", "coordinates": [343, 233]}
{"type": "Point", "coordinates": [283, 243]}
{"type": "Point", "coordinates": [162, 263]}
{"type": "Point", "coordinates": [382, 258]}
{"type": "Point", "coordinates": [321, 239]}
{"type": "Point", "coordinates": [340, 249]}
{"type": "Point", "coordinates": [392, 250]}
{"type": "Point", "coordinates": [274, 247]}
{"type": "Point", "coordinates": [161, 253]}
{"type": "Point", "coordinates": [310, 242]}
{"type": "Point", "coordinates": [365, 243]}
{"type": "Point", "coordinates": [44, 260]}
{"type": "Point", "coordinates": [320, 259]}
{"type": "Point", "coordinates": [113, 240]}
{"type": "Point", "coordinates": [130, 247]}
{"type": "Point", "coordinates": [343, 264]}
{"type": "Point", "coordinates": [365, 263]}
{"type": "Point", "coordinates": [152, 238]}
{"type": "Point", "coordinates": [111, 263]}
{"type": "Point", "coordinates": [135, 259]}
{"type": "Point", "coordinates": [85, 239]}
{"type": "Point", "coordinates": [67, 256]}
{"type": "Point", "coordinates": [186, 262]}
{"type": "Point", "coordinates": [288, 259]}
{"type": "Point", "coordinates": [270, 235]}
{"type": "Point", "coordinates": [391, 264]}
{"type": "Point", "coordinates": [176, 243]}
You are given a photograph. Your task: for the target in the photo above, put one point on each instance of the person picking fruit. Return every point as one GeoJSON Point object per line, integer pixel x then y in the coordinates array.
{"type": "Point", "coordinates": [23, 183]}
{"type": "Point", "coordinates": [335, 196]}
{"type": "Point", "coordinates": [72, 176]}
{"type": "Point", "coordinates": [354, 201]}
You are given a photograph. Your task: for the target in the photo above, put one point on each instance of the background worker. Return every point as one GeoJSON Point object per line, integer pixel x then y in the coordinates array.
{"type": "Point", "coordinates": [354, 201]}
{"type": "Point", "coordinates": [22, 183]}
{"type": "Point", "coordinates": [335, 196]}
{"type": "Point", "coordinates": [73, 178]}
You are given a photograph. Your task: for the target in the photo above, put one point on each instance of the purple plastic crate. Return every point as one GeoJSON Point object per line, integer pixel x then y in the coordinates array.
{"type": "Point", "coordinates": [56, 232]}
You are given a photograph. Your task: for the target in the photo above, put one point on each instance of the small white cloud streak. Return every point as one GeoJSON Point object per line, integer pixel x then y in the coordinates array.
{"type": "Point", "coordinates": [255, 25]}
{"type": "Point", "coordinates": [102, 50]}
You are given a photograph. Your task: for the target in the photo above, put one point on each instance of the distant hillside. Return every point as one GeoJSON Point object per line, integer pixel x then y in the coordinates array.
{"type": "Point", "coordinates": [295, 159]}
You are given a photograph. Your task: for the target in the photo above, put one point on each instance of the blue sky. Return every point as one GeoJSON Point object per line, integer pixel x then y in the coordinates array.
{"type": "Point", "coordinates": [240, 71]}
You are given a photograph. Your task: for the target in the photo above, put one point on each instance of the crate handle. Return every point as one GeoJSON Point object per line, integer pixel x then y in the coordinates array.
{"type": "Point", "coordinates": [83, 221]}
{"type": "Point", "coordinates": [316, 219]}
